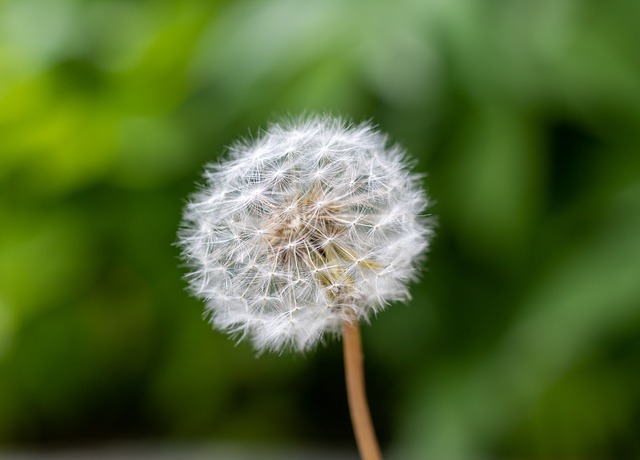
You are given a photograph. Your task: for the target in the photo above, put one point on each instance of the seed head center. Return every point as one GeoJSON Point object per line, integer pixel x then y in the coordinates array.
{"type": "Point", "coordinates": [302, 228]}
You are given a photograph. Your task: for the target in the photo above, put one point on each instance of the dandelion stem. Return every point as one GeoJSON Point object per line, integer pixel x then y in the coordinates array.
{"type": "Point", "coordinates": [358, 406]}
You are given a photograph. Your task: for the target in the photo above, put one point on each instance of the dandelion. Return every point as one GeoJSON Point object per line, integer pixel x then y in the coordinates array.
{"type": "Point", "coordinates": [305, 231]}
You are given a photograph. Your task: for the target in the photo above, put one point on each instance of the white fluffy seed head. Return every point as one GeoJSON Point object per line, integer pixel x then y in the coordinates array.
{"type": "Point", "coordinates": [314, 223]}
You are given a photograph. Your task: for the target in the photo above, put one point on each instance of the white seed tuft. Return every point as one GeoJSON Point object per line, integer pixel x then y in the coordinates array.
{"type": "Point", "coordinates": [311, 224]}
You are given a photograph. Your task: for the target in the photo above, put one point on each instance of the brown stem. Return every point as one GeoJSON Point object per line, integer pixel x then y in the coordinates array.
{"type": "Point", "coordinates": [354, 376]}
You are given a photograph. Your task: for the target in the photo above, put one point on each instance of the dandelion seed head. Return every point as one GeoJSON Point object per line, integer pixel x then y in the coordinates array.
{"type": "Point", "coordinates": [314, 223]}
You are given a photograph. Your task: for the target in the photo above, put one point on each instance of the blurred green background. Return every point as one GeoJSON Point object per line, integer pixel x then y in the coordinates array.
{"type": "Point", "coordinates": [522, 340]}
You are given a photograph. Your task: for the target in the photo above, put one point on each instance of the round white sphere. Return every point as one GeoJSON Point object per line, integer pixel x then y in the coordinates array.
{"type": "Point", "coordinates": [311, 224]}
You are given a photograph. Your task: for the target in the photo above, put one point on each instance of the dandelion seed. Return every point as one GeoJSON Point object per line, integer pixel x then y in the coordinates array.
{"type": "Point", "coordinates": [313, 224]}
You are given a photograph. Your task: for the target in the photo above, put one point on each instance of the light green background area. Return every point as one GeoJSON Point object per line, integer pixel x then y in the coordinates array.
{"type": "Point", "coordinates": [522, 339]}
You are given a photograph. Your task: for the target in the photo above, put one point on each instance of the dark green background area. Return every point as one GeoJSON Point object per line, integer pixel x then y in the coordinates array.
{"type": "Point", "coordinates": [522, 339]}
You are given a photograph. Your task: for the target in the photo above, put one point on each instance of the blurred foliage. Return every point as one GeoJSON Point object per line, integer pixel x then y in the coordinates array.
{"type": "Point", "coordinates": [521, 340]}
